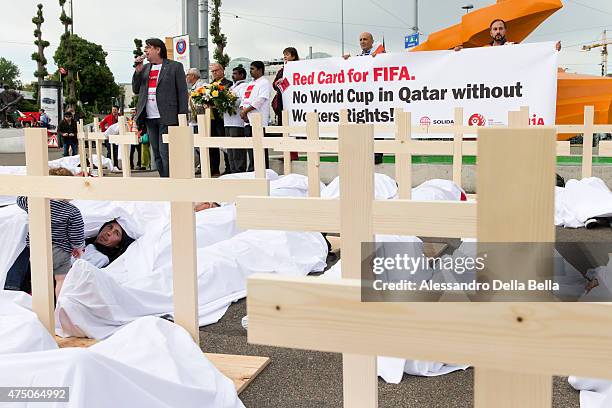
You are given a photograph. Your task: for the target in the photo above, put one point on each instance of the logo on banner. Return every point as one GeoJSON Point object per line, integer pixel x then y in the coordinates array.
{"type": "Point", "coordinates": [536, 121]}
{"type": "Point", "coordinates": [476, 120]}
{"type": "Point", "coordinates": [181, 46]}
{"type": "Point", "coordinates": [425, 121]}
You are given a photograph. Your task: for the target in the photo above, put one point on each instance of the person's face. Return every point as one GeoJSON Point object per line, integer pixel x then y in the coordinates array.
{"type": "Point", "coordinates": [366, 41]}
{"type": "Point", "coordinates": [110, 236]}
{"type": "Point", "coordinates": [68, 118]}
{"type": "Point", "coordinates": [217, 72]}
{"type": "Point", "coordinates": [288, 57]}
{"type": "Point", "coordinates": [236, 76]}
{"type": "Point", "coordinates": [190, 79]}
{"type": "Point", "coordinates": [255, 73]}
{"type": "Point", "coordinates": [115, 111]}
{"type": "Point", "coordinates": [205, 206]}
{"type": "Point", "coordinates": [151, 52]}
{"type": "Point", "coordinates": [498, 31]}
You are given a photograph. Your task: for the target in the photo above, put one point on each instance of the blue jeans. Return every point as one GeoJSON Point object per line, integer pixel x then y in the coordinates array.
{"type": "Point", "coordinates": [160, 149]}
{"type": "Point", "coordinates": [71, 142]}
{"type": "Point", "coordinates": [18, 276]}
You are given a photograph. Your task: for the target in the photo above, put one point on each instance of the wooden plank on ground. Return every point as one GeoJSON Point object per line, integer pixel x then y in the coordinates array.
{"type": "Point", "coordinates": [242, 370]}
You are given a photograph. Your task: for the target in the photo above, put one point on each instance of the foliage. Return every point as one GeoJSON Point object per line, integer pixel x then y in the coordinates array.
{"type": "Point", "coordinates": [9, 73]}
{"type": "Point", "coordinates": [39, 55]}
{"type": "Point", "coordinates": [69, 62]}
{"type": "Point", "coordinates": [218, 38]}
{"type": "Point", "coordinates": [96, 85]}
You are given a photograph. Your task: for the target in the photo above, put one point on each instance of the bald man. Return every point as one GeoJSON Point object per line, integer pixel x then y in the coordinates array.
{"type": "Point", "coordinates": [217, 125]}
{"type": "Point", "coordinates": [366, 42]}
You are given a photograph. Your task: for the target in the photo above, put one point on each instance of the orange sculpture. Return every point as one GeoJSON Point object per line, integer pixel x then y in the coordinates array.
{"type": "Point", "coordinates": [574, 91]}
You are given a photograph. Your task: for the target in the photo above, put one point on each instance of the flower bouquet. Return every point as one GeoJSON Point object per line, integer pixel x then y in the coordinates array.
{"type": "Point", "coordinates": [215, 96]}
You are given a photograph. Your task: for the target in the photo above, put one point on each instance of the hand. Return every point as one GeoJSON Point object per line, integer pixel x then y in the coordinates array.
{"type": "Point", "coordinates": [243, 115]}
{"type": "Point", "coordinates": [458, 48]}
{"type": "Point", "coordinates": [591, 285]}
{"type": "Point", "coordinates": [138, 63]}
{"type": "Point", "coordinates": [346, 56]}
{"type": "Point", "coordinates": [558, 46]}
{"type": "Point", "coordinates": [77, 252]}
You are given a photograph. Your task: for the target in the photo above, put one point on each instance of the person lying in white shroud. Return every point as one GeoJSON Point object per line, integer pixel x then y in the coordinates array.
{"type": "Point", "coordinates": [150, 362]}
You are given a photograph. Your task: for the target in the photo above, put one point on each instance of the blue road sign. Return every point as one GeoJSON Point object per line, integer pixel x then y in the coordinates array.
{"type": "Point", "coordinates": [411, 40]}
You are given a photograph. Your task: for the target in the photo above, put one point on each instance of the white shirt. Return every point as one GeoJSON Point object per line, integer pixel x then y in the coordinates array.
{"type": "Point", "coordinates": [112, 130]}
{"type": "Point", "coordinates": [152, 110]}
{"type": "Point", "coordinates": [257, 95]}
{"type": "Point", "coordinates": [235, 120]}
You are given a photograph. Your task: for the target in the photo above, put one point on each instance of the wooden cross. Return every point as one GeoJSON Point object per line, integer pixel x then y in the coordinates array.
{"type": "Point", "coordinates": [82, 137]}
{"type": "Point", "coordinates": [99, 137]}
{"type": "Point", "coordinates": [327, 315]}
{"type": "Point", "coordinates": [125, 139]}
{"type": "Point", "coordinates": [258, 143]}
{"type": "Point", "coordinates": [181, 190]}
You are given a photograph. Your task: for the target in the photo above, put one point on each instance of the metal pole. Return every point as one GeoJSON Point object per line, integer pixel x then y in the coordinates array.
{"type": "Point", "coordinates": [604, 54]}
{"type": "Point", "coordinates": [184, 14]}
{"type": "Point", "coordinates": [310, 52]}
{"type": "Point", "coordinates": [342, 22]}
{"type": "Point", "coordinates": [416, 16]}
{"type": "Point", "coordinates": [204, 60]}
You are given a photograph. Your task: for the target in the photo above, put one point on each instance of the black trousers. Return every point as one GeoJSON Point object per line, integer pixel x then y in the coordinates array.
{"type": "Point", "coordinates": [237, 157]}
{"type": "Point", "coordinates": [217, 129]}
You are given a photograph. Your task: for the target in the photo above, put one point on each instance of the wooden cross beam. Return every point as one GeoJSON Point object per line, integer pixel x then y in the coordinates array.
{"type": "Point", "coordinates": [258, 143]}
{"type": "Point", "coordinates": [125, 139]}
{"type": "Point", "coordinates": [82, 137]}
{"type": "Point", "coordinates": [181, 189]}
{"type": "Point", "coordinates": [99, 137]}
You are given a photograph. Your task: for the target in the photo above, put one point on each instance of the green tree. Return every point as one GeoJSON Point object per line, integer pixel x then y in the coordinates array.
{"type": "Point", "coordinates": [9, 73]}
{"type": "Point", "coordinates": [219, 39]}
{"type": "Point", "coordinates": [96, 84]}
{"type": "Point", "coordinates": [39, 55]}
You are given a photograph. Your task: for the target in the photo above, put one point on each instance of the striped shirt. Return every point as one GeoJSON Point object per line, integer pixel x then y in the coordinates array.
{"type": "Point", "coordinates": [67, 228]}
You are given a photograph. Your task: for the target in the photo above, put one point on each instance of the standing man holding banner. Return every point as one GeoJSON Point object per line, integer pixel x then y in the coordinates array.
{"type": "Point", "coordinates": [162, 95]}
{"type": "Point", "coordinates": [497, 31]}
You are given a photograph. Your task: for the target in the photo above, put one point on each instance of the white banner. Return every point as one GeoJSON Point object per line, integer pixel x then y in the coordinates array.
{"type": "Point", "coordinates": [487, 82]}
{"type": "Point", "coordinates": [181, 49]}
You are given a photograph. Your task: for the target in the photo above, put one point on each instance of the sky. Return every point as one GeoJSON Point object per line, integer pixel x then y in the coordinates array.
{"type": "Point", "coordinates": [264, 28]}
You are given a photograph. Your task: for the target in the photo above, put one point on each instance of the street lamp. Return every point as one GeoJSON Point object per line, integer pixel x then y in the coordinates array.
{"type": "Point", "coordinates": [467, 8]}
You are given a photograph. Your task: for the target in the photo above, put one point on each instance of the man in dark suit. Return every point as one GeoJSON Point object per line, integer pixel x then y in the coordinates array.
{"type": "Point", "coordinates": [217, 126]}
{"type": "Point", "coordinates": [162, 95]}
